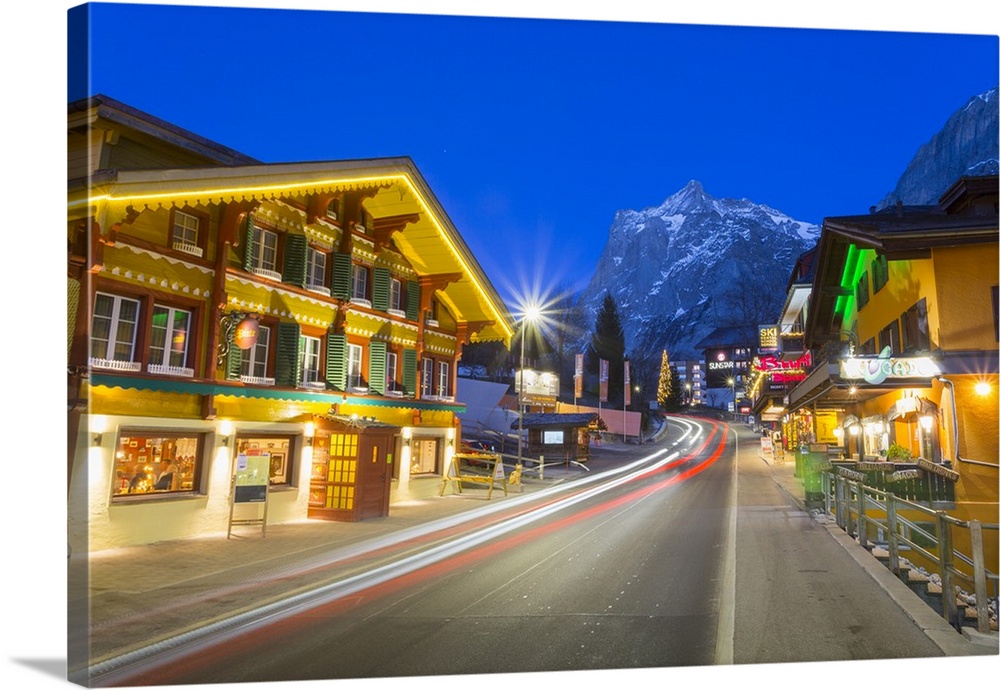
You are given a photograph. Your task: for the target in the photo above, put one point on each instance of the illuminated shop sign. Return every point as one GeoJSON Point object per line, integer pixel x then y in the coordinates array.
{"type": "Point", "coordinates": [875, 370]}
{"type": "Point", "coordinates": [246, 333]}
{"type": "Point", "coordinates": [542, 383]}
{"type": "Point", "coordinates": [719, 368]}
{"type": "Point", "coordinates": [768, 338]}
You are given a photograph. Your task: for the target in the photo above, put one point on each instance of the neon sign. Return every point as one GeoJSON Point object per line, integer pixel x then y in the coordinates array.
{"type": "Point", "coordinates": [875, 370]}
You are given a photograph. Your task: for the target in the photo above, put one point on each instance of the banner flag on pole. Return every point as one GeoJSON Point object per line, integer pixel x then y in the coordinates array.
{"type": "Point", "coordinates": [628, 388]}
{"type": "Point", "coordinates": [578, 378]}
{"type": "Point", "coordinates": [604, 380]}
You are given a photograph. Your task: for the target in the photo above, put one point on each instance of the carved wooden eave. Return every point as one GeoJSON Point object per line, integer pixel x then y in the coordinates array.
{"type": "Point", "coordinates": [385, 228]}
{"type": "Point", "coordinates": [232, 218]}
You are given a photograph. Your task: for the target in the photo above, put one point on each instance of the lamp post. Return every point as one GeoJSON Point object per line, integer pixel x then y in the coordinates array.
{"type": "Point", "coordinates": [732, 382]}
{"type": "Point", "coordinates": [530, 314]}
{"type": "Point", "coordinates": [687, 389]}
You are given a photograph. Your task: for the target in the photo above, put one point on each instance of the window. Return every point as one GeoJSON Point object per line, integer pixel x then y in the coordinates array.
{"type": "Point", "coordinates": [184, 234]}
{"type": "Point", "coordinates": [427, 377]}
{"type": "Point", "coordinates": [279, 448]}
{"type": "Point", "coordinates": [265, 250]}
{"type": "Point", "coordinates": [395, 294]}
{"type": "Point", "coordinates": [861, 291]}
{"type": "Point", "coordinates": [157, 463]}
{"type": "Point", "coordinates": [359, 282]}
{"type": "Point", "coordinates": [880, 273]}
{"type": "Point", "coordinates": [309, 351]}
{"type": "Point", "coordinates": [354, 366]}
{"type": "Point", "coordinates": [113, 330]}
{"type": "Point", "coordinates": [889, 337]}
{"type": "Point", "coordinates": [169, 336]}
{"type": "Point", "coordinates": [868, 347]}
{"type": "Point", "coordinates": [550, 437]}
{"type": "Point", "coordinates": [423, 456]}
{"type": "Point", "coordinates": [390, 372]}
{"type": "Point", "coordinates": [915, 331]}
{"type": "Point", "coordinates": [254, 361]}
{"type": "Point", "coordinates": [443, 379]}
{"type": "Point", "coordinates": [315, 268]}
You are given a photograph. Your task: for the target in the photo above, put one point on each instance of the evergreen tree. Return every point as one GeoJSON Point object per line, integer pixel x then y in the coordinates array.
{"type": "Point", "coordinates": [665, 386]}
{"type": "Point", "coordinates": [675, 400]}
{"type": "Point", "coordinates": [607, 341]}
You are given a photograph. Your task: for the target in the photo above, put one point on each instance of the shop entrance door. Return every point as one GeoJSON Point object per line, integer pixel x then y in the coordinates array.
{"type": "Point", "coordinates": [375, 475]}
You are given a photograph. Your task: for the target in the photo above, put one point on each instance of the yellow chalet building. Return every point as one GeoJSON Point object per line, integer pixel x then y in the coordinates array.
{"type": "Point", "coordinates": [230, 318]}
{"type": "Point", "coordinates": [902, 322]}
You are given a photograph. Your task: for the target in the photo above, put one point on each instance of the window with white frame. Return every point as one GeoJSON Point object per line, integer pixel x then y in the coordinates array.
{"type": "Point", "coordinates": [113, 329]}
{"type": "Point", "coordinates": [315, 268]}
{"type": "Point", "coordinates": [390, 371]}
{"type": "Point", "coordinates": [265, 249]}
{"type": "Point", "coordinates": [254, 360]}
{"type": "Point", "coordinates": [169, 336]}
{"type": "Point", "coordinates": [185, 231]}
{"type": "Point", "coordinates": [443, 379]}
{"type": "Point", "coordinates": [427, 377]}
{"type": "Point", "coordinates": [359, 282]}
{"type": "Point", "coordinates": [353, 366]}
{"type": "Point", "coordinates": [309, 349]}
{"type": "Point", "coordinates": [395, 294]}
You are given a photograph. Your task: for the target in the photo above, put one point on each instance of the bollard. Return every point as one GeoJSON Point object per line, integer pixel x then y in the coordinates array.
{"type": "Point", "coordinates": [541, 467]}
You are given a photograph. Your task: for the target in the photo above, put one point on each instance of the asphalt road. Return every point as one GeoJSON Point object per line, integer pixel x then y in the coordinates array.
{"type": "Point", "coordinates": [672, 560]}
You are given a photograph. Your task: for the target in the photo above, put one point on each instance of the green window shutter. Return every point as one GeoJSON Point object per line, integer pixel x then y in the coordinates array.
{"type": "Point", "coordinates": [248, 241]}
{"type": "Point", "coordinates": [234, 362]}
{"type": "Point", "coordinates": [410, 372]}
{"type": "Point", "coordinates": [295, 260]}
{"type": "Point", "coordinates": [341, 276]}
{"type": "Point", "coordinates": [336, 360]}
{"type": "Point", "coordinates": [412, 300]}
{"type": "Point", "coordinates": [286, 365]}
{"type": "Point", "coordinates": [380, 288]}
{"type": "Point", "coordinates": [376, 367]}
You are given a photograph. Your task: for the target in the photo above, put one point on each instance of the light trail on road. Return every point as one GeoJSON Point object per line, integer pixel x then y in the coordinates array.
{"type": "Point", "coordinates": [485, 532]}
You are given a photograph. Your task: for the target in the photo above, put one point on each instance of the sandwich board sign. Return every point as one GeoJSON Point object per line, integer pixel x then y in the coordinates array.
{"type": "Point", "coordinates": [250, 484]}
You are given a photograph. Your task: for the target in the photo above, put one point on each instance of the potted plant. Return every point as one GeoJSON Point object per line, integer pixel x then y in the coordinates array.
{"type": "Point", "coordinates": [898, 452]}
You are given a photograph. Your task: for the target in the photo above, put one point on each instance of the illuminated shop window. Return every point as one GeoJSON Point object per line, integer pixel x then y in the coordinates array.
{"type": "Point", "coordinates": [278, 447]}
{"type": "Point", "coordinates": [148, 463]}
{"type": "Point", "coordinates": [424, 456]}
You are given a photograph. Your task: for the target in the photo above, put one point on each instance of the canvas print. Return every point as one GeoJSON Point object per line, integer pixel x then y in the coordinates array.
{"type": "Point", "coordinates": [421, 346]}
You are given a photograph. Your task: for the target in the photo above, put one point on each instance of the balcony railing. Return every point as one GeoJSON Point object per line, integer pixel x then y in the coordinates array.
{"type": "Point", "coordinates": [115, 364]}
{"type": "Point", "coordinates": [267, 273]}
{"type": "Point", "coordinates": [167, 370]}
{"type": "Point", "coordinates": [257, 380]}
{"type": "Point", "coordinates": [319, 289]}
{"type": "Point", "coordinates": [189, 248]}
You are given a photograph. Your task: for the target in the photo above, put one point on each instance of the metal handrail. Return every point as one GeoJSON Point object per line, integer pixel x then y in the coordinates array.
{"type": "Point", "coordinates": [851, 502]}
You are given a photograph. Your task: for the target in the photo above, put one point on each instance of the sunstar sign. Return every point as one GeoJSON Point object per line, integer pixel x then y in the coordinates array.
{"type": "Point", "coordinates": [875, 370]}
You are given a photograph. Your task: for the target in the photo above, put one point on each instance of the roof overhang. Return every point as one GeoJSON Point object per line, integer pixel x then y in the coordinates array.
{"type": "Point", "coordinates": [431, 243]}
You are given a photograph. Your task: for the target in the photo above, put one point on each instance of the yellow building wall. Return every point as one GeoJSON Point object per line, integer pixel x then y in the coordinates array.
{"type": "Point", "coordinates": [965, 304]}
{"type": "Point", "coordinates": [909, 281]}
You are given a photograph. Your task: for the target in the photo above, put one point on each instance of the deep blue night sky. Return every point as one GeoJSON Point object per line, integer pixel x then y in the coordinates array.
{"type": "Point", "coordinates": [533, 132]}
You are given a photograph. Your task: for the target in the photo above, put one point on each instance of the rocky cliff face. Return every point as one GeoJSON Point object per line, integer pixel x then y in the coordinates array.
{"type": "Point", "coordinates": [673, 269]}
{"type": "Point", "coordinates": [966, 145]}
{"type": "Point", "coordinates": [668, 266]}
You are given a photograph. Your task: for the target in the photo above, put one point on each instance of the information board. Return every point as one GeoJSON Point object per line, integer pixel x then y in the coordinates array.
{"type": "Point", "coordinates": [252, 477]}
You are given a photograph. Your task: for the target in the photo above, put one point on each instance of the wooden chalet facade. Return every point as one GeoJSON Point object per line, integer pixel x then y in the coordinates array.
{"type": "Point", "coordinates": [219, 305]}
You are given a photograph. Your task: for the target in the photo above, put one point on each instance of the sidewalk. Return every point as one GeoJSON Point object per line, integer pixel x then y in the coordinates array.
{"type": "Point", "coordinates": [952, 643]}
{"type": "Point", "coordinates": [135, 595]}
